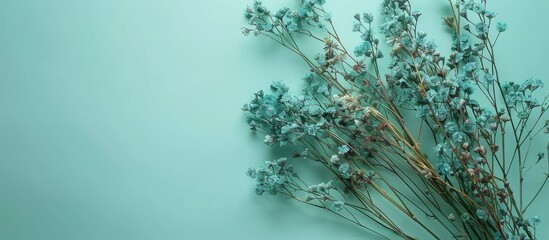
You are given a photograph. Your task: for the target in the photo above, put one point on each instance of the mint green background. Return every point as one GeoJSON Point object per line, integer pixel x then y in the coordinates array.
{"type": "Point", "coordinates": [120, 119]}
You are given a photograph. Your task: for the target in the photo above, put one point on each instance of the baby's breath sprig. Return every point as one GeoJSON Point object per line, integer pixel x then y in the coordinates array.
{"type": "Point", "coordinates": [350, 118]}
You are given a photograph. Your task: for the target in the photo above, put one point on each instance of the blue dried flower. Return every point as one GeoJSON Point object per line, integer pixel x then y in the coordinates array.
{"type": "Point", "coordinates": [535, 220]}
{"type": "Point", "coordinates": [293, 26]}
{"type": "Point", "coordinates": [423, 111]}
{"type": "Point", "coordinates": [334, 159]}
{"type": "Point", "coordinates": [469, 67]}
{"type": "Point", "coordinates": [450, 127]}
{"type": "Point", "coordinates": [482, 28]}
{"type": "Point", "coordinates": [491, 14]}
{"type": "Point", "coordinates": [282, 12]}
{"type": "Point", "coordinates": [501, 26]}
{"type": "Point", "coordinates": [531, 84]}
{"type": "Point", "coordinates": [368, 18]}
{"type": "Point", "coordinates": [344, 168]}
{"type": "Point", "coordinates": [482, 215]}
{"type": "Point", "coordinates": [338, 205]}
{"type": "Point", "coordinates": [357, 26]}
{"type": "Point", "coordinates": [442, 113]}
{"type": "Point", "coordinates": [479, 8]}
{"type": "Point", "coordinates": [489, 78]}
{"type": "Point", "coordinates": [343, 149]}
{"type": "Point", "coordinates": [432, 95]}
{"type": "Point", "coordinates": [328, 16]}
{"type": "Point", "coordinates": [444, 169]}
{"type": "Point", "coordinates": [469, 127]}
{"type": "Point", "coordinates": [251, 173]}
{"type": "Point", "coordinates": [362, 49]}
{"type": "Point", "coordinates": [458, 137]}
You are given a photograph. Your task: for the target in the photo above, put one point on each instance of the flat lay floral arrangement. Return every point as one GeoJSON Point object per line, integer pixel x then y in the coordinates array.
{"type": "Point", "coordinates": [354, 118]}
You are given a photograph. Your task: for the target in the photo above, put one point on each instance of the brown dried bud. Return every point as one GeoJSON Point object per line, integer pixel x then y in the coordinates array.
{"type": "Point", "coordinates": [494, 148]}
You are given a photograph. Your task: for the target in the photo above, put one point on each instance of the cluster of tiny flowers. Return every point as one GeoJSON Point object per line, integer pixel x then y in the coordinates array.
{"type": "Point", "coordinates": [520, 97]}
{"type": "Point", "coordinates": [285, 19]}
{"type": "Point", "coordinates": [271, 177]}
{"type": "Point", "coordinates": [282, 115]}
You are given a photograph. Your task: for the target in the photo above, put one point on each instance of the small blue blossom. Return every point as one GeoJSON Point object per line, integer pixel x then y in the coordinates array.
{"type": "Point", "coordinates": [431, 95]}
{"type": "Point", "coordinates": [251, 173]}
{"type": "Point", "coordinates": [279, 86]}
{"type": "Point", "coordinates": [531, 84]}
{"type": "Point", "coordinates": [466, 217]}
{"type": "Point", "coordinates": [482, 28]}
{"type": "Point", "coordinates": [489, 78]}
{"type": "Point", "coordinates": [368, 18]}
{"type": "Point", "coordinates": [501, 26]}
{"type": "Point", "coordinates": [343, 149]}
{"type": "Point", "coordinates": [458, 137]}
{"type": "Point", "coordinates": [442, 113]}
{"type": "Point", "coordinates": [338, 205]}
{"type": "Point", "coordinates": [444, 169]}
{"type": "Point", "coordinates": [450, 127]}
{"type": "Point", "coordinates": [293, 26]}
{"type": "Point", "coordinates": [357, 26]}
{"type": "Point", "coordinates": [463, 40]}
{"type": "Point", "coordinates": [481, 214]}
{"type": "Point", "coordinates": [282, 12]}
{"type": "Point", "coordinates": [269, 140]}
{"type": "Point", "coordinates": [266, 27]}
{"type": "Point", "coordinates": [363, 49]}
{"type": "Point", "coordinates": [535, 220]}
{"type": "Point", "coordinates": [440, 149]}
{"type": "Point", "coordinates": [423, 111]}
{"type": "Point", "coordinates": [344, 168]}
{"type": "Point", "coordinates": [289, 127]}
{"type": "Point", "coordinates": [311, 129]}
{"type": "Point", "coordinates": [479, 8]}
{"type": "Point", "coordinates": [490, 14]}
{"type": "Point", "coordinates": [328, 16]}
{"type": "Point", "coordinates": [334, 159]}
{"type": "Point", "coordinates": [469, 67]}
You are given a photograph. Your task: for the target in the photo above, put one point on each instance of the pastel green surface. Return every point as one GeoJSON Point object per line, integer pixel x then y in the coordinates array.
{"type": "Point", "coordinates": [120, 119]}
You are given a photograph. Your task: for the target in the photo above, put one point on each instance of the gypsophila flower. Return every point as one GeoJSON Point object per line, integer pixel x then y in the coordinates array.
{"type": "Point", "coordinates": [491, 14]}
{"type": "Point", "coordinates": [458, 137]}
{"type": "Point", "coordinates": [357, 26]}
{"type": "Point", "coordinates": [344, 168]}
{"type": "Point", "coordinates": [251, 173]}
{"type": "Point", "coordinates": [489, 78]}
{"type": "Point", "coordinates": [334, 159]}
{"type": "Point", "coordinates": [466, 217]}
{"type": "Point", "coordinates": [368, 18]}
{"type": "Point", "coordinates": [444, 169]}
{"type": "Point", "coordinates": [481, 214]}
{"type": "Point", "coordinates": [482, 28]}
{"type": "Point", "coordinates": [328, 16]}
{"type": "Point", "coordinates": [469, 67]}
{"type": "Point", "coordinates": [268, 140]}
{"type": "Point", "coordinates": [535, 220]}
{"type": "Point", "coordinates": [338, 205]}
{"type": "Point", "coordinates": [343, 149]}
{"type": "Point", "coordinates": [501, 26]}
